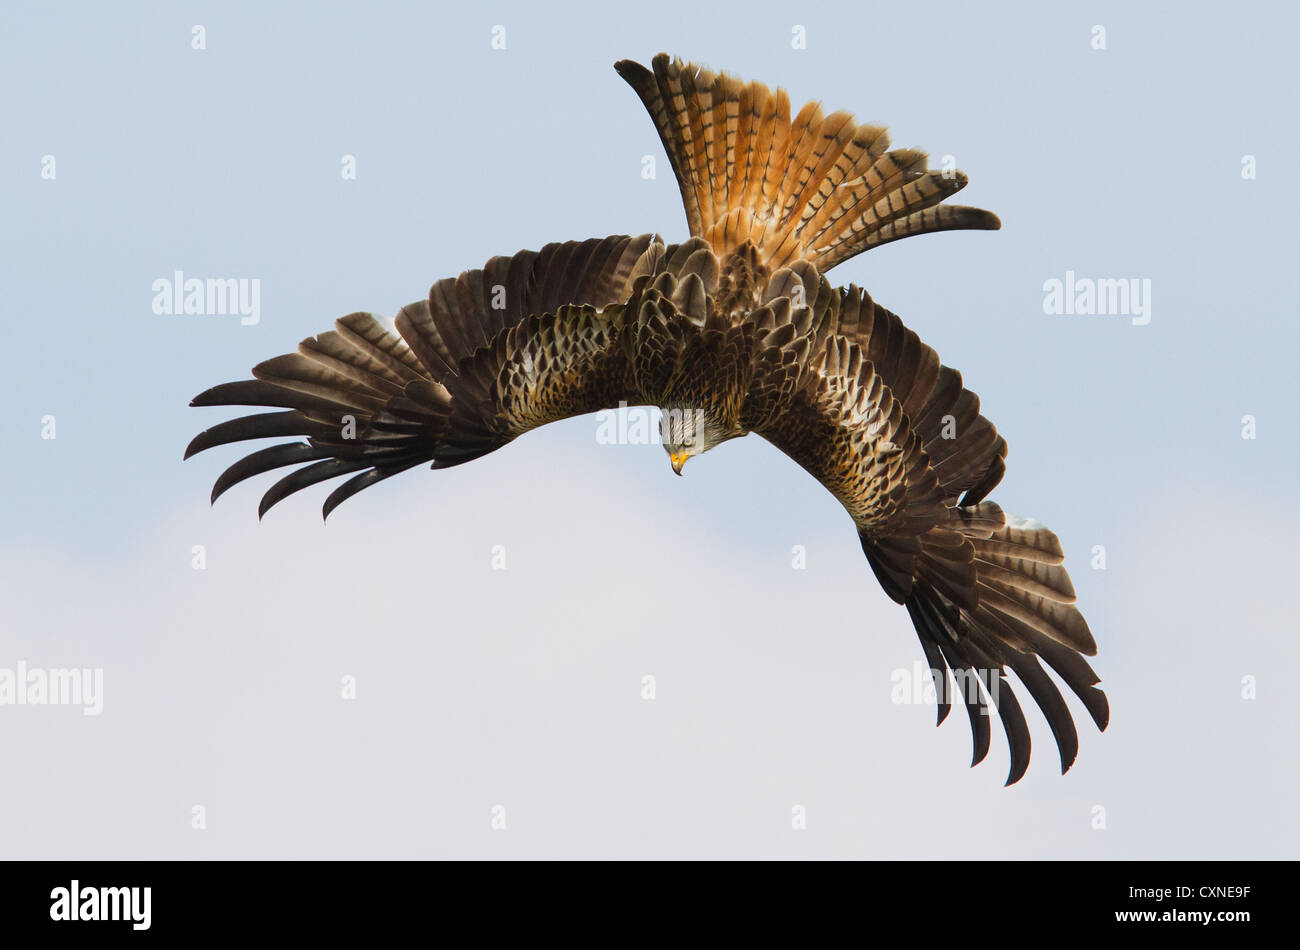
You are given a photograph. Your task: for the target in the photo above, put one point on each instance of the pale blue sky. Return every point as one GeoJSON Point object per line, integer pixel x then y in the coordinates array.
{"type": "Point", "coordinates": [479, 687]}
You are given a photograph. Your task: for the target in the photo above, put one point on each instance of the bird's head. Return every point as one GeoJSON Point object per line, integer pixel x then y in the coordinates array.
{"type": "Point", "coordinates": [687, 432]}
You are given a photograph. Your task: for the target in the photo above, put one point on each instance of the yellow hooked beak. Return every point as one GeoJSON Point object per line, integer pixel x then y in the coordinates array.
{"type": "Point", "coordinates": [678, 459]}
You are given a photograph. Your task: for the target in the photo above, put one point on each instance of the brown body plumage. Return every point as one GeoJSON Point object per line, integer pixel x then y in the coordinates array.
{"type": "Point", "coordinates": [739, 326]}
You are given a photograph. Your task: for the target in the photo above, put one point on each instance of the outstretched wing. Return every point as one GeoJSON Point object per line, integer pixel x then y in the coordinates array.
{"type": "Point", "coordinates": [462, 314]}
{"type": "Point", "coordinates": [372, 403]}
{"type": "Point", "coordinates": [556, 366]}
{"type": "Point", "coordinates": [875, 417]}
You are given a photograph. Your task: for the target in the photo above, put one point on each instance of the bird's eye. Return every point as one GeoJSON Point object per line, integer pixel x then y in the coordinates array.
{"type": "Point", "coordinates": [687, 443]}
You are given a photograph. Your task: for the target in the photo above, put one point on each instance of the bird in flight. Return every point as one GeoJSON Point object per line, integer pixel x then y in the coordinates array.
{"type": "Point", "coordinates": [736, 330]}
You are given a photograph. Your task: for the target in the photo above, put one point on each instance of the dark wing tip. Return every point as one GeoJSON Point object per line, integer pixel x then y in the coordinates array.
{"type": "Point", "coordinates": [1019, 759]}
{"type": "Point", "coordinates": [630, 69]}
{"type": "Point", "coordinates": [1018, 742]}
{"type": "Point", "coordinates": [208, 397]}
{"type": "Point", "coordinates": [1101, 714]}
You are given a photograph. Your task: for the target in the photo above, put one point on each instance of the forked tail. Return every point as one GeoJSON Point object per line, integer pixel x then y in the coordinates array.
{"type": "Point", "coordinates": [819, 188]}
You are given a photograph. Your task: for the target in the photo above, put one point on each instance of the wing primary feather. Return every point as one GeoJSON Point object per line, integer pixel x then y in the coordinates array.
{"type": "Point", "coordinates": [260, 426]}
{"type": "Point", "coordinates": [277, 456]}
{"type": "Point", "coordinates": [304, 477]}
